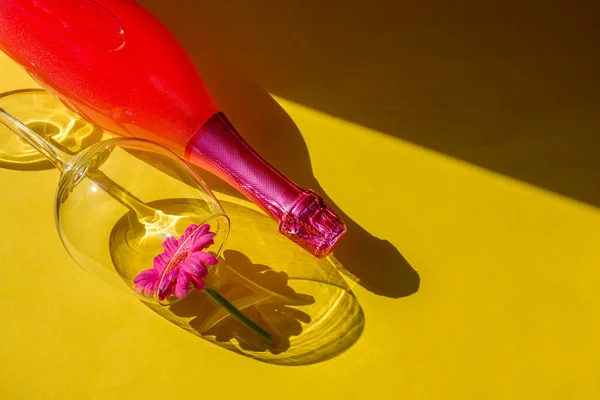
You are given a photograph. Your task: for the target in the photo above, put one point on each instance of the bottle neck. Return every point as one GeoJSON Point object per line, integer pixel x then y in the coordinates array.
{"type": "Point", "coordinates": [218, 147]}
{"type": "Point", "coordinates": [302, 215]}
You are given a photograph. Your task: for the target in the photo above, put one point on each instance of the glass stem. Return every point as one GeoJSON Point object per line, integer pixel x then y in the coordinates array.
{"type": "Point", "coordinates": [122, 195]}
{"type": "Point", "coordinates": [59, 158]}
{"type": "Point", "coordinates": [248, 323]}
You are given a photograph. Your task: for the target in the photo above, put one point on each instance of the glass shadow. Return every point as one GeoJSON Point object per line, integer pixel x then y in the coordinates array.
{"type": "Point", "coordinates": [48, 117]}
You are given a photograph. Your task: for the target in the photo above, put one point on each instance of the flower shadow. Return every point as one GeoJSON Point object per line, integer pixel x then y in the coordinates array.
{"type": "Point", "coordinates": [262, 294]}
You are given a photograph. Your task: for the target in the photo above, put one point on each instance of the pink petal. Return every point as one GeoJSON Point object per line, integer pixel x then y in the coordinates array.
{"type": "Point", "coordinates": [202, 242]}
{"type": "Point", "coordinates": [148, 275]}
{"type": "Point", "coordinates": [197, 282]}
{"type": "Point", "coordinates": [167, 293]}
{"type": "Point", "coordinates": [193, 266]}
{"type": "Point", "coordinates": [205, 257]}
{"type": "Point", "coordinates": [161, 261]}
{"type": "Point", "coordinates": [197, 231]}
{"type": "Point", "coordinates": [167, 285]}
{"type": "Point", "coordinates": [190, 229]}
{"type": "Point", "coordinates": [146, 281]}
{"type": "Point", "coordinates": [170, 245]}
{"type": "Point", "coordinates": [203, 229]}
{"type": "Point", "coordinates": [182, 287]}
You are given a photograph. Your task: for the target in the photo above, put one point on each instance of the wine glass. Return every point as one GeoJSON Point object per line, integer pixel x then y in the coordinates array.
{"type": "Point", "coordinates": [133, 213]}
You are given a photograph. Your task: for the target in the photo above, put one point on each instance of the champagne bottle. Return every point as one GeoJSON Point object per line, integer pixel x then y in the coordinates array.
{"type": "Point", "coordinates": [118, 67]}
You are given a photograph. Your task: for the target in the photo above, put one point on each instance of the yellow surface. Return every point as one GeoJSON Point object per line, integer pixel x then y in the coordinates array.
{"type": "Point", "coordinates": [507, 305]}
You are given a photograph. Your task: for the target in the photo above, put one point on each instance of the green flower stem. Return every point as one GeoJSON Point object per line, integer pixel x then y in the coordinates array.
{"type": "Point", "coordinates": [223, 302]}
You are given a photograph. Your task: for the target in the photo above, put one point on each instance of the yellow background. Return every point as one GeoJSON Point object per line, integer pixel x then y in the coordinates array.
{"type": "Point", "coordinates": [482, 180]}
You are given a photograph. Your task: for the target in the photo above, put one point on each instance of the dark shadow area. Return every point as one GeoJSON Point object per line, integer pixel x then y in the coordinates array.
{"type": "Point", "coordinates": [509, 86]}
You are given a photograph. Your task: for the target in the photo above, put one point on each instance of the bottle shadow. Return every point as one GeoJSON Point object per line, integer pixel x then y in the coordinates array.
{"type": "Point", "coordinates": [374, 263]}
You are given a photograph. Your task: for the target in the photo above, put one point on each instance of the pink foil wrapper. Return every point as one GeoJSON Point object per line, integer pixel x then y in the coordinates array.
{"type": "Point", "coordinates": [302, 215]}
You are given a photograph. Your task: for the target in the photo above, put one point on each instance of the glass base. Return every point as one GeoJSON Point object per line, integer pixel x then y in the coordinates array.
{"type": "Point", "coordinates": [46, 115]}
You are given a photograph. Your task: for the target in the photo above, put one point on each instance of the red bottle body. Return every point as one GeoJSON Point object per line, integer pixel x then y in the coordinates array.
{"type": "Point", "coordinates": [141, 85]}
{"type": "Point", "coordinates": [118, 67]}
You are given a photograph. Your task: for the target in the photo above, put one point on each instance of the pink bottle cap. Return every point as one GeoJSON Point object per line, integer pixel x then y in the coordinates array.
{"type": "Point", "coordinates": [313, 225]}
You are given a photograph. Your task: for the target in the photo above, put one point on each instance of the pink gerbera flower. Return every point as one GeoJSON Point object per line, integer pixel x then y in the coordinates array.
{"type": "Point", "coordinates": [183, 261]}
